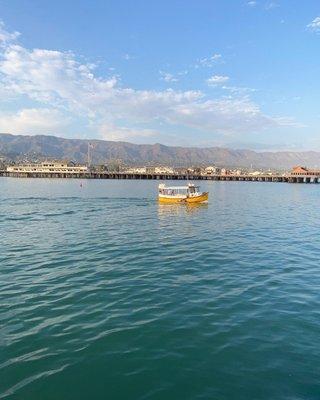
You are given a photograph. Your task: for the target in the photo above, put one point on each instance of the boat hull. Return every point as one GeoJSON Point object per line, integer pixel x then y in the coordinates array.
{"type": "Point", "coordinates": [203, 197]}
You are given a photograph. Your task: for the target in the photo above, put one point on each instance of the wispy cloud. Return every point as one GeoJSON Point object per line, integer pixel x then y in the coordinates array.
{"type": "Point", "coordinates": [238, 90]}
{"type": "Point", "coordinates": [110, 131]}
{"type": "Point", "coordinates": [314, 25]}
{"type": "Point", "coordinates": [184, 72]}
{"type": "Point", "coordinates": [33, 121]}
{"type": "Point", "coordinates": [217, 80]}
{"type": "Point", "coordinates": [167, 77]}
{"type": "Point", "coordinates": [271, 5]}
{"type": "Point", "coordinates": [127, 57]}
{"type": "Point", "coordinates": [209, 61]}
{"type": "Point", "coordinates": [5, 36]}
{"type": "Point", "coordinates": [62, 85]}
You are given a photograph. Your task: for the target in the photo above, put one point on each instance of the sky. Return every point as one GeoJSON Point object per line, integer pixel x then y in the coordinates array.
{"type": "Point", "coordinates": [232, 73]}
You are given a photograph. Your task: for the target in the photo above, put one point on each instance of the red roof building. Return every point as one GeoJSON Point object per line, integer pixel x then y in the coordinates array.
{"type": "Point", "coordinates": [303, 171]}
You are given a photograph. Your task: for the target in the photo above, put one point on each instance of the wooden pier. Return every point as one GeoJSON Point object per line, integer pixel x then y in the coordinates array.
{"type": "Point", "coordinates": [151, 176]}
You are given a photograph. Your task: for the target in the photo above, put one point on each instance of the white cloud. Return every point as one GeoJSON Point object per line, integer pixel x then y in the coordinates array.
{"type": "Point", "coordinates": [238, 90]}
{"type": "Point", "coordinates": [209, 61]}
{"type": "Point", "coordinates": [167, 77]}
{"type": "Point", "coordinates": [59, 81]}
{"type": "Point", "coordinates": [51, 76]}
{"type": "Point", "coordinates": [314, 26]}
{"type": "Point", "coordinates": [225, 116]}
{"type": "Point", "coordinates": [290, 122]}
{"type": "Point", "coordinates": [271, 5]}
{"type": "Point", "coordinates": [6, 36]}
{"type": "Point", "coordinates": [251, 3]}
{"type": "Point", "coordinates": [127, 57]}
{"type": "Point", "coordinates": [110, 131]}
{"type": "Point", "coordinates": [217, 80]}
{"type": "Point", "coordinates": [33, 121]}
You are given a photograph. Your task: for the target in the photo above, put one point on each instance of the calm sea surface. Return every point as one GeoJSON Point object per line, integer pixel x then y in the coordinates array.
{"type": "Point", "coordinates": [104, 294]}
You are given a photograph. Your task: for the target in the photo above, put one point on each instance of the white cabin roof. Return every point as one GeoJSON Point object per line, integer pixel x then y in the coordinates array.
{"type": "Point", "coordinates": [163, 186]}
{"type": "Point", "coordinates": [175, 187]}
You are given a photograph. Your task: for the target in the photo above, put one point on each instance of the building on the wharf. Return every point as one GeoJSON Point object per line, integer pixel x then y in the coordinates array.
{"type": "Point", "coordinates": [49, 167]}
{"type": "Point", "coordinates": [212, 170]}
{"type": "Point", "coordinates": [255, 173]}
{"type": "Point", "coordinates": [136, 170]}
{"type": "Point", "coordinates": [303, 171]}
{"type": "Point", "coordinates": [160, 170]}
{"type": "Point", "coordinates": [224, 171]}
{"type": "Point", "coordinates": [195, 170]}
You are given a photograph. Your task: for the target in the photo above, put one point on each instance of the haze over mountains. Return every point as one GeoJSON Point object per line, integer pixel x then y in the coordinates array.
{"type": "Point", "coordinates": [17, 147]}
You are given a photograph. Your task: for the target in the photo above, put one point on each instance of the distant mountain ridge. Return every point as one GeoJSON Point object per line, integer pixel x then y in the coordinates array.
{"type": "Point", "coordinates": [17, 147]}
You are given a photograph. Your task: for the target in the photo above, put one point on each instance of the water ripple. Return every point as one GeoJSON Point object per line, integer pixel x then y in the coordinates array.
{"type": "Point", "coordinates": [105, 293]}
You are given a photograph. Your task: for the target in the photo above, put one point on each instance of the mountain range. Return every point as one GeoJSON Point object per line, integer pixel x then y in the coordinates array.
{"type": "Point", "coordinates": [32, 148]}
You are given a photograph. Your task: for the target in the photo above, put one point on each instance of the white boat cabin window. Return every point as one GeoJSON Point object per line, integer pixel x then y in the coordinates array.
{"type": "Point", "coordinates": [172, 192]}
{"type": "Point", "coordinates": [175, 191]}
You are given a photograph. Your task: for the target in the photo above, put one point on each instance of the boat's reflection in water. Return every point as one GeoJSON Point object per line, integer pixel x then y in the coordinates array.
{"type": "Point", "coordinates": [179, 222]}
{"type": "Point", "coordinates": [171, 210]}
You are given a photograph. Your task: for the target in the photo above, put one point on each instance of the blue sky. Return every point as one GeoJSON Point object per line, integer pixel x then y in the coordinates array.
{"type": "Point", "coordinates": [234, 73]}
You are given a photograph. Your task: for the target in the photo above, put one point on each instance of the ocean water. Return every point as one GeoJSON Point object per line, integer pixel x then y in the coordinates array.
{"type": "Point", "coordinates": [105, 294]}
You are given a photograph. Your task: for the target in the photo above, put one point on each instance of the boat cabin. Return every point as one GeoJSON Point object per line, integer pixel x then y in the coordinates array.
{"type": "Point", "coordinates": [178, 190]}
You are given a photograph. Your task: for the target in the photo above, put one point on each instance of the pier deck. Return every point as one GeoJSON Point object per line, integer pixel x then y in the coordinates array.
{"type": "Point", "coordinates": [151, 176]}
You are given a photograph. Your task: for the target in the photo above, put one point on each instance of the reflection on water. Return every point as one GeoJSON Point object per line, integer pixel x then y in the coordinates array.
{"type": "Point", "coordinates": [170, 210]}
{"type": "Point", "coordinates": [194, 207]}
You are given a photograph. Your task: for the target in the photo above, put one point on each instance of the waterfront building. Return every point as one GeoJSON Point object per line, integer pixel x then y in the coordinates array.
{"type": "Point", "coordinates": [211, 170]}
{"type": "Point", "coordinates": [136, 170]}
{"type": "Point", "coordinates": [224, 171]}
{"type": "Point", "coordinates": [163, 170]}
{"type": "Point", "coordinates": [255, 173]}
{"type": "Point", "coordinates": [303, 171]}
{"type": "Point", "coordinates": [49, 167]}
{"type": "Point", "coordinates": [195, 170]}
{"type": "Point", "coordinates": [160, 170]}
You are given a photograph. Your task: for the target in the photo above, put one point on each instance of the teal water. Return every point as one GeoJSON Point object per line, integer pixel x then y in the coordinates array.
{"type": "Point", "coordinates": [104, 294]}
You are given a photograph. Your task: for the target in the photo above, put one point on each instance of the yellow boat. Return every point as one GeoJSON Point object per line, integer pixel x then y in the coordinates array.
{"type": "Point", "coordinates": [182, 194]}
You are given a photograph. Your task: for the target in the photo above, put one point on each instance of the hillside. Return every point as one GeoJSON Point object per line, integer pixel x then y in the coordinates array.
{"type": "Point", "coordinates": [17, 147]}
